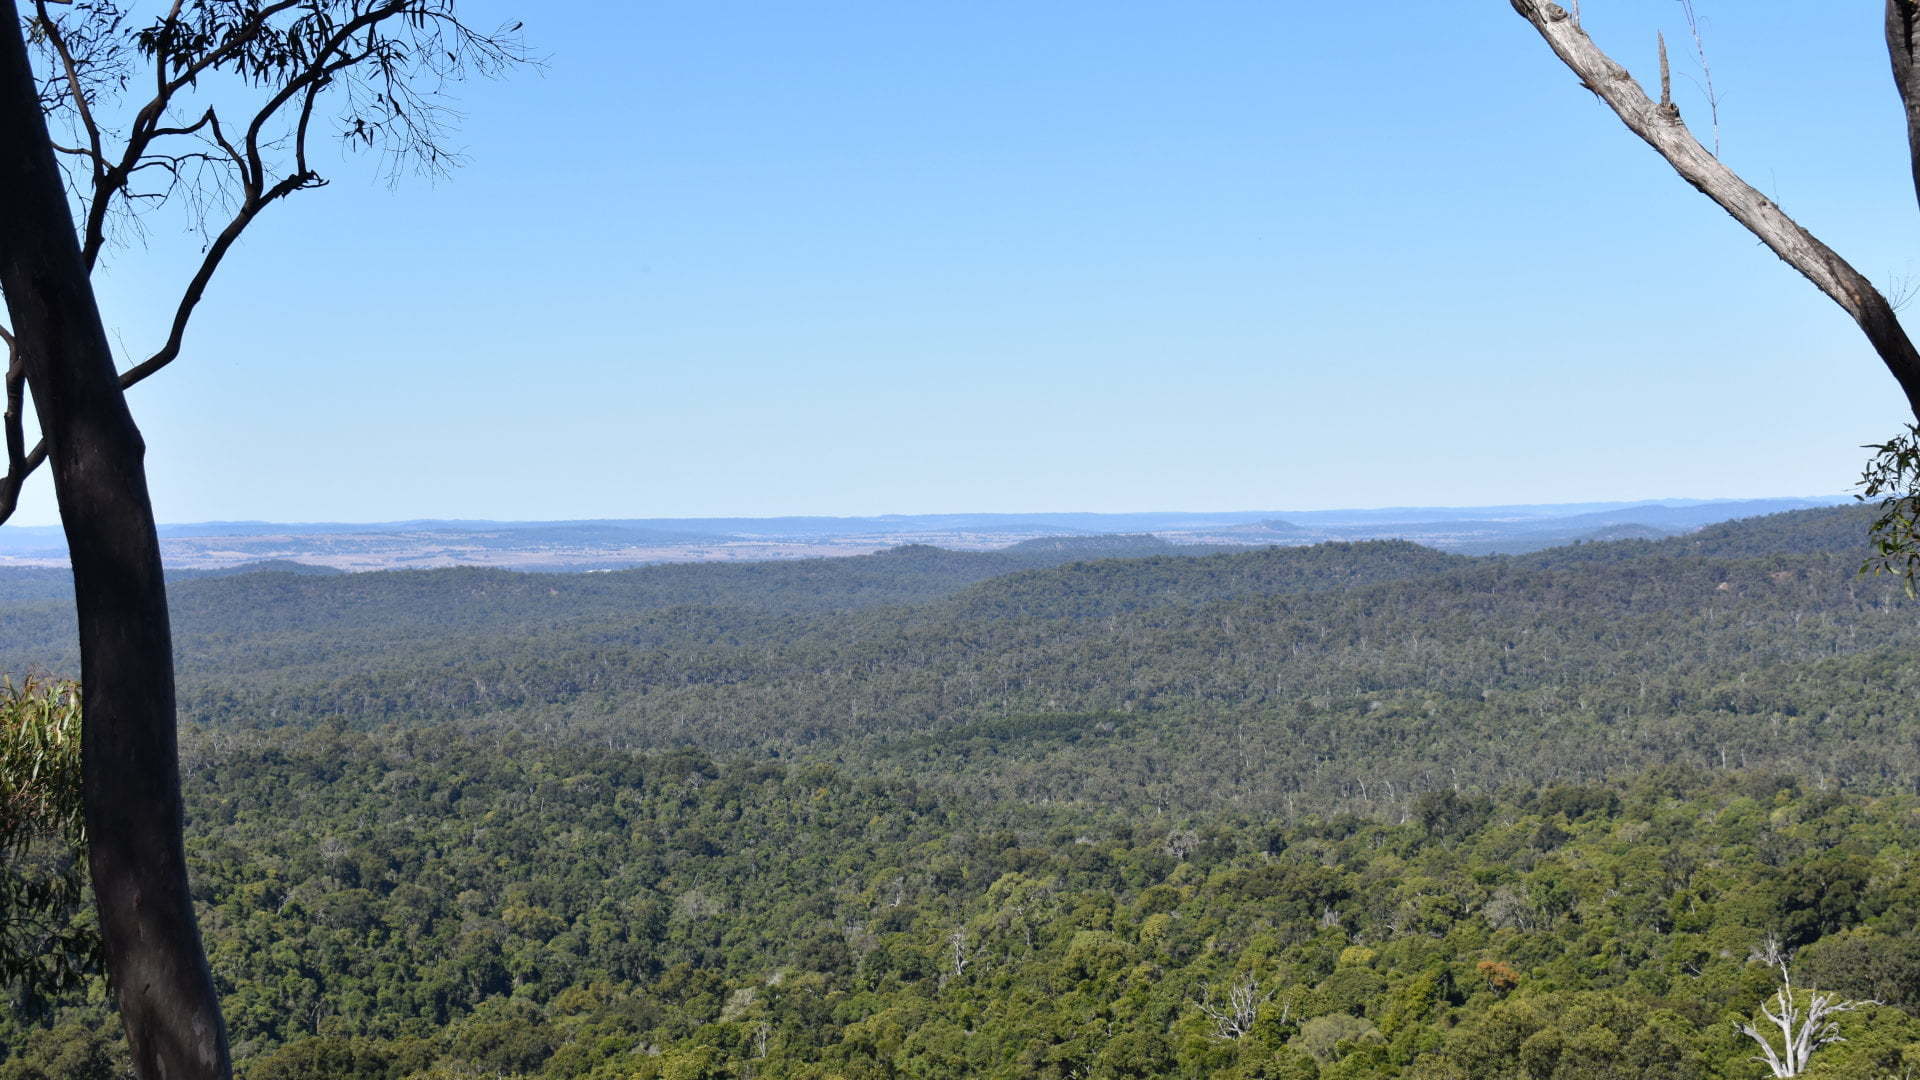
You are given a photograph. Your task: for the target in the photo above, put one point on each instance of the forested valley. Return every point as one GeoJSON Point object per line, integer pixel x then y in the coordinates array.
{"type": "Point", "coordinates": [1094, 808]}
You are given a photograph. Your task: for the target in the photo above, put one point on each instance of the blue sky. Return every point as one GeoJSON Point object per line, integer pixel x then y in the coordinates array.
{"type": "Point", "coordinates": [853, 258]}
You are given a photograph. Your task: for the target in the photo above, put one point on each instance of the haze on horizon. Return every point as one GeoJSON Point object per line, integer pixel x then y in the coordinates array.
{"type": "Point", "coordinates": [1351, 511]}
{"type": "Point", "coordinates": [721, 263]}
{"type": "Point", "coordinates": [610, 544]}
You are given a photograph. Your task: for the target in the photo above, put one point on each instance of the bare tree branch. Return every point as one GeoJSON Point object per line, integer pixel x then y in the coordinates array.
{"type": "Point", "coordinates": [1661, 127]}
{"type": "Point", "coordinates": [1706, 71]}
{"type": "Point", "coordinates": [1801, 1032]}
{"type": "Point", "coordinates": [1666, 73]}
{"type": "Point", "coordinates": [385, 62]}
{"type": "Point", "coordinates": [197, 286]}
{"type": "Point", "coordinates": [71, 68]}
{"type": "Point", "coordinates": [17, 468]}
{"type": "Point", "coordinates": [1234, 1018]}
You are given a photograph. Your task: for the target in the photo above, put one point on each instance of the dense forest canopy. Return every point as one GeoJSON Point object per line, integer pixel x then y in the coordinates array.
{"type": "Point", "coordinates": [1349, 810]}
{"type": "Point", "coordinates": [1361, 673]}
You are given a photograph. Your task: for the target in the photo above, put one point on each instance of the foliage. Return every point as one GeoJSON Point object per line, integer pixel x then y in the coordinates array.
{"type": "Point", "coordinates": [1892, 476]}
{"type": "Point", "coordinates": [1263, 681]}
{"type": "Point", "coordinates": [1495, 818]}
{"type": "Point", "coordinates": [237, 88]}
{"type": "Point", "coordinates": [47, 940]}
{"type": "Point", "coordinates": [401, 902]}
{"type": "Point", "coordinates": [39, 763]}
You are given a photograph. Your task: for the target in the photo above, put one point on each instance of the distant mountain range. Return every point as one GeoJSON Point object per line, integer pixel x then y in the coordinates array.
{"type": "Point", "coordinates": [613, 544]}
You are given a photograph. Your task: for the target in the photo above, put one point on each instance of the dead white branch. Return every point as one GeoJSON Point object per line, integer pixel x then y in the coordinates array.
{"type": "Point", "coordinates": [1801, 1033]}
{"type": "Point", "coordinates": [1234, 1018]}
{"type": "Point", "coordinates": [1706, 71]}
{"type": "Point", "coordinates": [1659, 124]}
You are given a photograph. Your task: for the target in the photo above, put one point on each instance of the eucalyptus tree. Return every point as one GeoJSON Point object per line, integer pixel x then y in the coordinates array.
{"type": "Point", "coordinates": [106, 114]}
{"type": "Point", "coordinates": [42, 842]}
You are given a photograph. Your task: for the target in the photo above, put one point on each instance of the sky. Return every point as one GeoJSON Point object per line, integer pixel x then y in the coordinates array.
{"type": "Point", "coordinates": [767, 258]}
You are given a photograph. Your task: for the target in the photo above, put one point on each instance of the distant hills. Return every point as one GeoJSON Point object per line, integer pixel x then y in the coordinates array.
{"type": "Point", "coordinates": [817, 814]}
{"type": "Point", "coordinates": [614, 544]}
{"type": "Point", "coordinates": [1315, 669]}
{"type": "Point", "coordinates": [823, 812]}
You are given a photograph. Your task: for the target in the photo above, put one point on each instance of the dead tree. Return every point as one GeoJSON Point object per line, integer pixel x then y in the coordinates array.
{"type": "Point", "coordinates": [1801, 1032]}
{"type": "Point", "coordinates": [373, 72]}
{"type": "Point", "coordinates": [1234, 1017]}
{"type": "Point", "coordinates": [1895, 472]}
{"type": "Point", "coordinates": [960, 957]}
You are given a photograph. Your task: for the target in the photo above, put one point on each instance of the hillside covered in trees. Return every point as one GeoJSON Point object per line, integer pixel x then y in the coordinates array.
{"type": "Point", "coordinates": [1349, 810]}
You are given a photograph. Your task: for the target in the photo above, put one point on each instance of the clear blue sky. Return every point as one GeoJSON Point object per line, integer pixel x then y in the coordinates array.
{"type": "Point", "coordinates": [770, 258]}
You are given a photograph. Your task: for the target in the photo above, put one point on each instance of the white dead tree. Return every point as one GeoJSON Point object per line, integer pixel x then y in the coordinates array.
{"type": "Point", "coordinates": [957, 941]}
{"type": "Point", "coordinates": [1233, 1018]}
{"type": "Point", "coordinates": [961, 957]}
{"type": "Point", "coordinates": [1801, 1032]}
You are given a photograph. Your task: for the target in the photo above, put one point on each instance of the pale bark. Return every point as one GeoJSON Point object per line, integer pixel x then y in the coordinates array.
{"type": "Point", "coordinates": [1661, 127]}
{"type": "Point", "coordinates": [1234, 1018]}
{"type": "Point", "coordinates": [1801, 1033]}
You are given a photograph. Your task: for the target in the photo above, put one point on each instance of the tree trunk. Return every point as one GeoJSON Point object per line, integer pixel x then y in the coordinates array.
{"type": "Point", "coordinates": [129, 760]}
{"type": "Point", "coordinates": [1659, 124]}
{"type": "Point", "coordinates": [1903, 48]}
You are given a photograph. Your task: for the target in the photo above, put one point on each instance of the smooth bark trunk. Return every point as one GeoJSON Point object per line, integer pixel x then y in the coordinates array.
{"type": "Point", "coordinates": [154, 957]}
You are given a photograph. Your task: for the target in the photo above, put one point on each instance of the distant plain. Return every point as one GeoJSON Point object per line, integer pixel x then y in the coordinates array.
{"type": "Point", "coordinates": [616, 544]}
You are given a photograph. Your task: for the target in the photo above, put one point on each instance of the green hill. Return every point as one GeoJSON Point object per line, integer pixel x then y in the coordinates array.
{"type": "Point", "coordinates": [1113, 586]}
{"type": "Point", "coordinates": [1343, 812]}
{"type": "Point", "coordinates": [1256, 679]}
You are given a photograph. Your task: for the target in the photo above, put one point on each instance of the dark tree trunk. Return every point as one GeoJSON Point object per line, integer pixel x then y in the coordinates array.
{"type": "Point", "coordinates": [132, 785]}
{"type": "Point", "coordinates": [1903, 48]}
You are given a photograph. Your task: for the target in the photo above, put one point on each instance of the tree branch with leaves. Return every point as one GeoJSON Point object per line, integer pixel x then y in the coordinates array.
{"type": "Point", "coordinates": [376, 72]}
{"type": "Point", "coordinates": [45, 948]}
{"type": "Point", "coordinates": [238, 94]}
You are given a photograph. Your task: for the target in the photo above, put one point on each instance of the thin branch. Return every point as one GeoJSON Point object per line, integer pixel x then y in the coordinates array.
{"type": "Point", "coordinates": [292, 52]}
{"type": "Point", "coordinates": [205, 119]}
{"type": "Point", "coordinates": [300, 129]}
{"type": "Point", "coordinates": [197, 287]}
{"type": "Point", "coordinates": [1706, 71]}
{"type": "Point", "coordinates": [160, 91]}
{"type": "Point", "coordinates": [81, 107]}
{"type": "Point", "coordinates": [1663, 130]}
{"type": "Point", "coordinates": [147, 122]}
{"type": "Point", "coordinates": [220, 139]}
